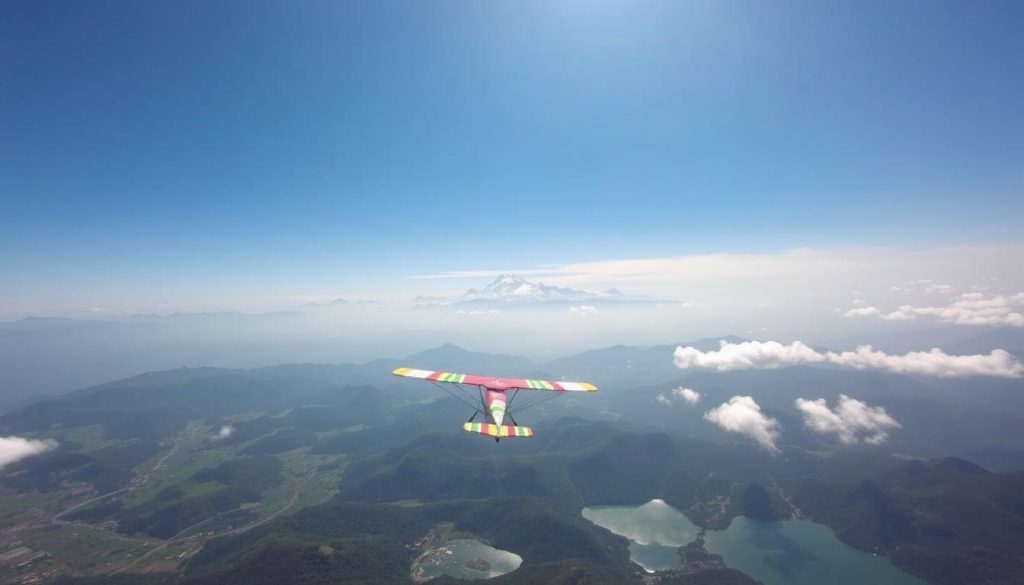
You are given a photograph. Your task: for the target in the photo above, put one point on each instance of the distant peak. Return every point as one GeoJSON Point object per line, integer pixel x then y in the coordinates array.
{"type": "Point", "coordinates": [447, 347]}
{"type": "Point", "coordinates": [509, 288]}
{"type": "Point", "coordinates": [334, 302]}
{"type": "Point", "coordinates": [37, 319]}
{"type": "Point", "coordinates": [506, 279]}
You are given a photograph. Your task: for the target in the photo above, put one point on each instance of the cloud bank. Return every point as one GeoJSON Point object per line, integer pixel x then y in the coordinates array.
{"type": "Point", "coordinates": [742, 415]}
{"type": "Point", "coordinates": [583, 310]}
{"type": "Point", "coordinates": [973, 308]}
{"type": "Point", "coordinates": [14, 449]}
{"type": "Point", "coordinates": [687, 395]}
{"type": "Point", "coordinates": [746, 355]}
{"type": "Point", "coordinates": [852, 421]}
{"type": "Point", "coordinates": [772, 354]}
{"type": "Point", "coordinates": [225, 432]}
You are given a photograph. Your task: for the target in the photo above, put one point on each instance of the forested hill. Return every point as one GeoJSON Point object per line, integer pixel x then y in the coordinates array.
{"type": "Point", "coordinates": [286, 463]}
{"type": "Point", "coordinates": [946, 520]}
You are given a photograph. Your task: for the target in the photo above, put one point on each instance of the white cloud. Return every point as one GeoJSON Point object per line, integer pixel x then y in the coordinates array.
{"type": "Point", "coordinates": [851, 422]}
{"type": "Point", "coordinates": [583, 310]}
{"type": "Point", "coordinates": [225, 432]}
{"type": "Point", "coordinates": [524, 272]}
{"type": "Point", "coordinates": [687, 395]}
{"type": "Point", "coordinates": [868, 266]}
{"type": "Point", "coordinates": [742, 415]}
{"type": "Point", "coordinates": [746, 355]}
{"type": "Point", "coordinates": [862, 312]}
{"type": "Point", "coordinates": [690, 395]}
{"type": "Point", "coordinates": [772, 354]}
{"type": "Point", "coordinates": [934, 362]}
{"type": "Point", "coordinates": [974, 308]}
{"type": "Point", "coordinates": [900, 315]}
{"type": "Point", "coordinates": [940, 289]}
{"type": "Point", "coordinates": [17, 448]}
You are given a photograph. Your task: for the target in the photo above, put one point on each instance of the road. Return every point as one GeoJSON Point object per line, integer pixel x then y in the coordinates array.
{"type": "Point", "coordinates": [58, 518]}
{"type": "Point", "coordinates": [140, 481]}
{"type": "Point", "coordinates": [182, 535]}
{"type": "Point", "coordinates": [162, 544]}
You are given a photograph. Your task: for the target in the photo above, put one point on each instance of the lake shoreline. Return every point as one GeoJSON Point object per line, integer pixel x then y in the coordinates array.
{"type": "Point", "coordinates": [443, 551]}
{"type": "Point", "coordinates": [667, 545]}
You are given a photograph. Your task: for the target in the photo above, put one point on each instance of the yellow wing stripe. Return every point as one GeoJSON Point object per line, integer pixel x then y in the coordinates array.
{"type": "Point", "coordinates": [492, 430]}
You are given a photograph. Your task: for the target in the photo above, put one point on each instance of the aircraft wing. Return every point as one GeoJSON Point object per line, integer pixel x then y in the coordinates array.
{"type": "Point", "coordinates": [496, 383]}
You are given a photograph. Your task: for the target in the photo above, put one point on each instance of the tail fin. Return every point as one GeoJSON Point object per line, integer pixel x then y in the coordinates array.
{"type": "Point", "coordinates": [492, 430]}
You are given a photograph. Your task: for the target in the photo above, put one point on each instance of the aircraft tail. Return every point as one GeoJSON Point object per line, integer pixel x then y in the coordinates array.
{"type": "Point", "coordinates": [492, 430]}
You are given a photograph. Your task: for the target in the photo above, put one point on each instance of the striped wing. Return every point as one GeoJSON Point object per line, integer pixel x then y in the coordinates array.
{"type": "Point", "coordinates": [495, 383]}
{"type": "Point", "coordinates": [492, 430]}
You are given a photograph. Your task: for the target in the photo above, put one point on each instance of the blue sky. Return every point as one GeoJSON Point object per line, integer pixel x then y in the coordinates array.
{"type": "Point", "coordinates": [220, 149]}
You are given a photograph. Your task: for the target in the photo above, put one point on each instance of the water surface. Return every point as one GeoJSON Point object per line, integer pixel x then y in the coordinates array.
{"type": "Point", "coordinates": [800, 553]}
{"type": "Point", "coordinates": [775, 553]}
{"type": "Point", "coordinates": [468, 559]}
{"type": "Point", "coordinates": [655, 530]}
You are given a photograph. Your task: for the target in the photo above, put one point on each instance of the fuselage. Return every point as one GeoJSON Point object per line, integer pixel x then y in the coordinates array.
{"type": "Point", "coordinates": [496, 405]}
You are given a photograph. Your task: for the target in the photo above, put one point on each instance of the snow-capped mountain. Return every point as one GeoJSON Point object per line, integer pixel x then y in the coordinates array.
{"type": "Point", "coordinates": [509, 290]}
{"type": "Point", "coordinates": [515, 289]}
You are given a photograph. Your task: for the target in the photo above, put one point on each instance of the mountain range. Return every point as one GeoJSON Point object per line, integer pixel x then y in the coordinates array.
{"type": "Point", "coordinates": [370, 469]}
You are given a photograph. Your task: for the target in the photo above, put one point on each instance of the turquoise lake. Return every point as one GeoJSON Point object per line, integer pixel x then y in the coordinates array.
{"type": "Point", "coordinates": [655, 530]}
{"type": "Point", "coordinates": [775, 553]}
{"type": "Point", "coordinates": [453, 558]}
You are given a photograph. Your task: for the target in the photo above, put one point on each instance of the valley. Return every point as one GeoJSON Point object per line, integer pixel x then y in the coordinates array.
{"type": "Point", "coordinates": [272, 475]}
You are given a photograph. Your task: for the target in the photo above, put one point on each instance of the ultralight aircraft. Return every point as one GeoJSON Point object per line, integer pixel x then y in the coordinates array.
{"type": "Point", "coordinates": [496, 397]}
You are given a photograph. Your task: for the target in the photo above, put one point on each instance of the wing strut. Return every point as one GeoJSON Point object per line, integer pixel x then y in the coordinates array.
{"type": "Point", "coordinates": [454, 395]}
{"type": "Point", "coordinates": [538, 401]}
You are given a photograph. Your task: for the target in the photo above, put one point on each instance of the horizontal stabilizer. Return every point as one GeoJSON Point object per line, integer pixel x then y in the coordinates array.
{"type": "Point", "coordinates": [492, 430]}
